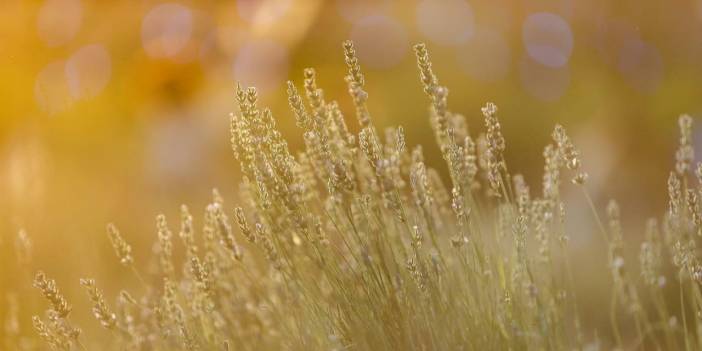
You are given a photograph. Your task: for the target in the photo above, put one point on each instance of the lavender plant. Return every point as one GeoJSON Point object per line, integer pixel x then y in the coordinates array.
{"type": "Point", "coordinates": [355, 243]}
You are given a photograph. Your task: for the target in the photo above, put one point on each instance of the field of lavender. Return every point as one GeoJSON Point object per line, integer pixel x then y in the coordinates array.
{"type": "Point", "coordinates": [354, 242]}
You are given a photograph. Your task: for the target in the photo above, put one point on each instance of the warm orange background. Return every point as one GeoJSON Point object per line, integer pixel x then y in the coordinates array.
{"type": "Point", "coordinates": [117, 110]}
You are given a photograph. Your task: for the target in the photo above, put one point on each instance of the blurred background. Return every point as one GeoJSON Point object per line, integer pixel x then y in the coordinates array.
{"type": "Point", "coordinates": [114, 111]}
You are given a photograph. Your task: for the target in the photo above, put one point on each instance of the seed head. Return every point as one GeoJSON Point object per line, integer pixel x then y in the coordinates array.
{"type": "Point", "coordinates": [470, 161]}
{"type": "Point", "coordinates": [201, 273]}
{"type": "Point", "coordinates": [100, 310]}
{"type": "Point", "coordinates": [495, 148]}
{"type": "Point", "coordinates": [650, 256]}
{"type": "Point", "coordinates": [426, 74]}
{"type": "Point", "coordinates": [675, 195]}
{"type": "Point", "coordinates": [165, 245]}
{"type": "Point", "coordinates": [55, 341]}
{"type": "Point", "coordinates": [354, 74]}
{"type": "Point", "coordinates": [244, 225]}
{"type": "Point", "coordinates": [186, 231]}
{"type": "Point", "coordinates": [122, 248]}
{"type": "Point", "coordinates": [268, 246]}
{"type": "Point", "coordinates": [298, 107]}
{"type": "Point", "coordinates": [51, 293]}
{"type": "Point", "coordinates": [226, 237]}
{"type": "Point", "coordinates": [570, 155]}
{"type": "Point", "coordinates": [685, 153]}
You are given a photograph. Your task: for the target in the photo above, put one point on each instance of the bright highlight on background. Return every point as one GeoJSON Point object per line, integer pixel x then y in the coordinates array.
{"type": "Point", "coordinates": [381, 41]}
{"type": "Point", "coordinates": [446, 22]}
{"type": "Point", "coordinates": [88, 71]}
{"type": "Point", "coordinates": [166, 30]}
{"type": "Point", "coordinates": [58, 21]}
{"type": "Point", "coordinates": [548, 39]}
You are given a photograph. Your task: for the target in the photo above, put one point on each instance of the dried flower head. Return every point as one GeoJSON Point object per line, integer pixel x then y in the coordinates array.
{"type": "Point", "coordinates": [55, 341]}
{"type": "Point", "coordinates": [121, 247]}
{"type": "Point", "coordinates": [186, 233]}
{"type": "Point", "coordinates": [495, 148]}
{"type": "Point", "coordinates": [426, 74]}
{"type": "Point", "coordinates": [685, 153]}
{"type": "Point", "coordinates": [226, 237]}
{"type": "Point", "coordinates": [675, 195]}
{"type": "Point", "coordinates": [51, 293]}
{"type": "Point", "coordinates": [263, 237]}
{"type": "Point", "coordinates": [165, 245]}
{"type": "Point", "coordinates": [569, 154]}
{"type": "Point", "coordinates": [100, 310]}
